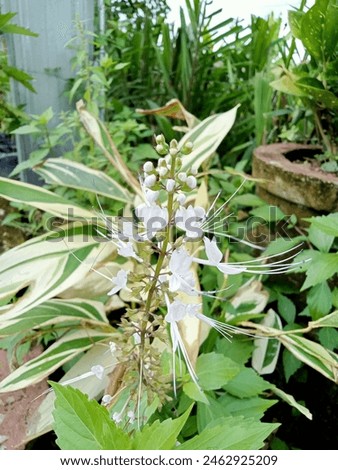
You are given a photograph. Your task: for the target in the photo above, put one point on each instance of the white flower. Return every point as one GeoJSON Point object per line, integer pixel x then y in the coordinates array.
{"type": "Point", "coordinates": [190, 220]}
{"type": "Point", "coordinates": [149, 181]}
{"type": "Point", "coordinates": [98, 371]}
{"type": "Point", "coordinates": [148, 167]}
{"type": "Point", "coordinates": [170, 185]}
{"type": "Point", "coordinates": [120, 281]}
{"type": "Point", "coordinates": [181, 198]}
{"type": "Point", "coordinates": [131, 416]}
{"type": "Point", "coordinates": [181, 277]}
{"type": "Point", "coordinates": [127, 250]}
{"type": "Point", "coordinates": [154, 218]}
{"type": "Point", "coordinates": [150, 195]}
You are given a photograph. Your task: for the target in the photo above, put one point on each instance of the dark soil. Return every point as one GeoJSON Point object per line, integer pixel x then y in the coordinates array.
{"type": "Point", "coordinates": [320, 396]}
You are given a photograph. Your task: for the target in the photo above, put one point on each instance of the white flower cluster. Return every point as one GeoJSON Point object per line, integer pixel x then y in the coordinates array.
{"type": "Point", "coordinates": [165, 223]}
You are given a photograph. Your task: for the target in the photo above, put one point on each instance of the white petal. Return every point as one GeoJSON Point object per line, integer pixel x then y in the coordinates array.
{"type": "Point", "coordinates": [214, 254]}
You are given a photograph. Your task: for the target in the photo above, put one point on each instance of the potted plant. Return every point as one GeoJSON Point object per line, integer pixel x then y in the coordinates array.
{"type": "Point", "coordinates": [307, 175]}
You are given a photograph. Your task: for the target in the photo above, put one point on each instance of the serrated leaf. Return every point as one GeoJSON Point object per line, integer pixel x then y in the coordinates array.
{"type": "Point", "coordinates": [247, 407]}
{"type": "Point", "coordinates": [320, 239]}
{"type": "Point", "coordinates": [326, 223]}
{"type": "Point", "coordinates": [286, 308]}
{"type": "Point", "coordinates": [319, 300]}
{"type": "Point", "coordinates": [83, 424]}
{"type": "Point", "coordinates": [160, 435]}
{"type": "Point", "coordinates": [193, 392]}
{"type": "Point", "coordinates": [328, 337]}
{"type": "Point", "coordinates": [290, 363]}
{"type": "Point", "coordinates": [231, 433]}
{"type": "Point", "coordinates": [246, 384]}
{"type": "Point", "coordinates": [239, 349]}
{"type": "Point", "coordinates": [320, 268]}
{"type": "Point", "coordinates": [214, 370]}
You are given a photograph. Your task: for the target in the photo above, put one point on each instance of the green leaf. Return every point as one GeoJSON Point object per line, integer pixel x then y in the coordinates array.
{"type": "Point", "coordinates": [254, 407]}
{"type": "Point", "coordinates": [27, 129]}
{"type": "Point", "coordinates": [214, 370]}
{"type": "Point", "coordinates": [41, 199]}
{"type": "Point", "coordinates": [325, 223]}
{"type": "Point", "coordinates": [246, 384]}
{"type": "Point", "coordinates": [287, 84]}
{"type": "Point", "coordinates": [291, 401]}
{"type": "Point", "coordinates": [320, 239]}
{"type": "Point", "coordinates": [286, 308]}
{"type": "Point", "coordinates": [231, 433]}
{"type": "Point", "coordinates": [319, 300]}
{"type": "Point", "coordinates": [324, 97]}
{"type": "Point", "coordinates": [281, 244]}
{"type": "Point", "coordinates": [83, 424]}
{"type": "Point", "coordinates": [238, 349]}
{"type": "Point", "coordinates": [268, 213]}
{"type": "Point", "coordinates": [290, 363]}
{"type": "Point", "coordinates": [160, 435]}
{"type": "Point", "coordinates": [193, 392]}
{"type": "Point", "coordinates": [63, 172]}
{"type": "Point", "coordinates": [206, 137]}
{"type": "Point", "coordinates": [319, 29]}
{"type": "Point", "coordinates": [295, 20]}
{"type": "Point", "coordinates": [328, 337]}
{"type": "Point", "coordinates": [247, 200]}
{"type": "Point", "coordinates": [320, 268]}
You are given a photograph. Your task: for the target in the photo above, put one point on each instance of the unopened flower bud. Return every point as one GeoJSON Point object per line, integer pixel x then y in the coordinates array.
{"type": "Point", "coordinates": [194, 171]}
{"type": "Point", "coordinates": [160, 139]}
{"type": "Point", "coordinates": [161, 149]}
{"type": "Point", "coordinates": [148, 167]}
{"type": "Point", "coordinates": [161, 162]}
{"type": "Point", "coordinates": [182, 177]}
{"type": "Point", "coordinates": [162, 171]}
{"type": "Point", "coordinates": [181, 198]}
{"type": "Point", "coordinates": [149, 181]}
{"type": "Point", "coordinates": [187, 148]}
{"type": "Point", "coordinates": [170, 185]}
{"type": "Point", "coordinates": [173, 144]}
{"type": "Point", "coordinates": [191, 182]}
{"type": "Point", "coordinates": [106, 399]}
{"type": "Point", "coordinates": [173, 151]}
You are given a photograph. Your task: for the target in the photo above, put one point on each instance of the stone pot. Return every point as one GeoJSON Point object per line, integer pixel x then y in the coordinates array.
{"type": "Point", "coordinates": [292, 181]}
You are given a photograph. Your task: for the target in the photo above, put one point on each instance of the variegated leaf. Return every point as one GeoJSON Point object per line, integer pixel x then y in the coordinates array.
{"type": "Point", "coordinates": [312, 354]}
{"type": "Point", "coordinates": [63, 172]}
{"type": "Point", "coordinates": [266, 352]}
{"type": "Point", "coordinates": [206, 137]}
{"type": "Point", "coordinates": [62, 351]}
{"type": "Point", "coordinates": [47, 266]}
{"type": "Point", "coordinates": [56, 311]}
{"type": "Point", "coordinates": [42, 199]}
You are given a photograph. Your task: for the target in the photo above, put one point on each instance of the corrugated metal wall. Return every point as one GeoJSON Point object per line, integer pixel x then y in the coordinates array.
{"type": "Point", "coordinates": [45, 58]}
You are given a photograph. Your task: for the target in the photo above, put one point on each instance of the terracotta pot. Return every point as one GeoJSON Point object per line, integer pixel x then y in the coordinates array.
{"type": "Point", "coordinates": [290, 178]}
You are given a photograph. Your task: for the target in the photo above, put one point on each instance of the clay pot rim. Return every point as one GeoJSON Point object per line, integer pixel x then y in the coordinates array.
{"type": "Point", "coordinates": [274, 154]}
